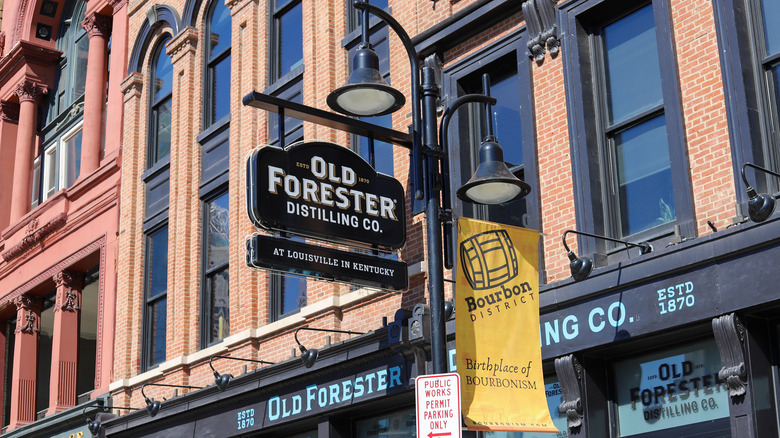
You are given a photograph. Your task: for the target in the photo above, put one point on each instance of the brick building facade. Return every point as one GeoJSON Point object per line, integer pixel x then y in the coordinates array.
{"type": "Point", "coordinates": [61, 64]}
{"type": "Point", "coordinates": [630, 120]}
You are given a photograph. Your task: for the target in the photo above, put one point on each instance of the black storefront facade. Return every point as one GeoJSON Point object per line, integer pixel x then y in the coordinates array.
{"type": "Point", "coordinates": [618, 356]}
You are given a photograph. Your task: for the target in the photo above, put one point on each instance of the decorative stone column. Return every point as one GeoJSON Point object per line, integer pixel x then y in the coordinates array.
{"type": "Point", "coordinates": [25, 368]}
{"type": "Point", "coordinates": [65, 341]}
{"type": "Point", "coordinates": [29, 93]}
{"type": "Point", "coordinates": [98, 29]}
{"type": "Point", "coordinates": [9, 118]}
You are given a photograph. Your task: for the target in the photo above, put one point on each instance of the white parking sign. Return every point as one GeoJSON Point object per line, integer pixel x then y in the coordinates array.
{"type": "Point", "coordinates": [437, 400]}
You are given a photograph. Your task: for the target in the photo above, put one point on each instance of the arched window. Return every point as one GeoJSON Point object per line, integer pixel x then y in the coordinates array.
{"type": "Point", "coordinates": [217, 63]}
{"type": "Point", "coordinates": [160, 104]}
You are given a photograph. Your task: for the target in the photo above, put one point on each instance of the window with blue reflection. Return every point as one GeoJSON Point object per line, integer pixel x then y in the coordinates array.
{"type": "Point", "coordinates": [218, 60]}
{"type": "Point", "coordinates": [156, 296]}
{"type": "Point", "coordinates": [287, 36]}
{"type": "Point", "coordinates": [636, 129]}
{"type": "Point", "coordinates": [631, 58]}
{"type": "Point", "coordinates": [161, 102]}
{"type": "Point", "coordinates": [217, 287]}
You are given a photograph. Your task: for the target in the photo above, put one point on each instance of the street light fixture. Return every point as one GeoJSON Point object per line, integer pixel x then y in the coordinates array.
{"type": "Point", "coordinates": [153, 406]}
{"type": "Point", "coordinates": [424, 141]}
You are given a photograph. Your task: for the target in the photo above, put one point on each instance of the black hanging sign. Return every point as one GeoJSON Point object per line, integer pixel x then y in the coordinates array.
{"type": "Point", "coordinates": [325, 191]}
{"type": "Point", "coordinates": [287, 255]}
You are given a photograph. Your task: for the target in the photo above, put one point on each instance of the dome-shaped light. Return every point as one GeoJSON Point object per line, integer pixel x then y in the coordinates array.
{"type": "Point", "coordinates": [493, 182]}
{"type": "Point", "coordinates": [580, 266]}
{"type": "Point", "coordinates": [153, 407]}
{"type": "Point", "coordinates": [366, 93]}
{"type": "Point", "coordinates": [760, 207]}
{"type": "Point", "coordinates": [308, 357]}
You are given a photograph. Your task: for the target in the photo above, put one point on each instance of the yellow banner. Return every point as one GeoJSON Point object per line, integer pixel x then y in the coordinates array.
{"type": "Point", "coordinates": [497, 337]}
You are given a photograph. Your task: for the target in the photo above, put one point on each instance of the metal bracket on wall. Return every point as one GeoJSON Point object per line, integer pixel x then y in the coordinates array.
{"type": "Point", "coordinates": [542, 29]}
{"type": "Point", "coordinates": [569, 373]}
{"type": "Point", "coordinates": [730, 337]}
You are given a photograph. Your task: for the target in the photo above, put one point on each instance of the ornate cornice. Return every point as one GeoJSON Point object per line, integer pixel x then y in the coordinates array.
{"type": "Point", "coordinates": [29, 90]}
{"type": "Point", "coordinates": [35, 236]}
{"type": "Point", "coordinates": [132, 85]}
{"type": "Point", "coordinates": [97, 25]}
{"type": "Point", "coordinates": [117, 5]}
{"type": "Point", "coordinates": [542, 29]}
{"type": "Point", "coordinates": [185, 42]}
{"type": "Point", "coordinates": [69, 285]}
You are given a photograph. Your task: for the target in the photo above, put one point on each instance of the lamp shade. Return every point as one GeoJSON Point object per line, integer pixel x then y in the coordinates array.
{"type": "Point", "coordinates": [366, 93]}
{"type": "Point", "coordinates": [493, 182]}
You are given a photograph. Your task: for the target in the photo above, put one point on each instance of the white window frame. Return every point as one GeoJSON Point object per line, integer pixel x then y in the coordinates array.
{"type": "Point", "coordinates": [56, 156]}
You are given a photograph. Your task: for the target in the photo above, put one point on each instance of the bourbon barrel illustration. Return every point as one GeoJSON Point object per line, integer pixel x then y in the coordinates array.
{"type": "Point", "coordinates": [476, 250]}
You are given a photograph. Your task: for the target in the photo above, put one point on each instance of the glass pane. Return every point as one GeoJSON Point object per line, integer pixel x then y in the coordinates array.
{"type": "Point", "coordinates": [293, 293]}
{"type": "Point", "coordinates": [158, 312]}
{"type": "Point", "coordinates": [50, 169]}
{"type": "Point", "coordinates": [631, 54]}
{"type": "Point", "coordinates": [85, 379]}
{"type": "Point", "coordinates": [45, 338]}
{"type": "Point", "coordinates": [163, 72]}
{"type": "Point", "coordinates": [771, 14]}
{"type": "Point", "coordinates": [378, 3]}
{"type": "Point", "coordinates": [383, 152]}
{"type": "Point", "coordinates": [395, 424]}
{"type": "Point", "coordinates": [36, 182]}
{"type": "Point", "coordinates": [220, 306]}
{"type": "Point", "coordinates": [80, 73]}
{"type": "Point", "coordinates": [219, 28]}
{"type": "Point", "coordinates": [644, 176]}
{"type": "Point", "coordinates": [157, 271]}
{"type": "Point", "coordinates": [73, 158]}
{"type": "Point", "coordinates": [218, 231]}
{"type": "Point", "coordinates": [281, 3]}
{"type": "Point", "coordinates": [291, 39]}
{"type": "Point", "coordinates": [220, 86]}
{"type": "Point", "coordinates": [669, 389]}
{"type": "Point", "coordinates": [163, 130]}
{"type": "Point", "coordinates": [506, 118]}
{"type": "Point", "coordinates": [775, 71]}
{"type": "Point", "coordinates": [554, 398]}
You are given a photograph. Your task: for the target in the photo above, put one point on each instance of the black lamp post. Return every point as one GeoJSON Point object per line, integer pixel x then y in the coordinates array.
{"type": "Point", "coordinates": [365, 95]}
{"type": "Point", "coordinates": [493, 183]}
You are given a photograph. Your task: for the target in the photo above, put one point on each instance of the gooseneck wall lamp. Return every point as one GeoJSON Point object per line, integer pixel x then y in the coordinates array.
{"type": "Point", "coordinates": [153, 406]}
{"type": "Point", "coordinates": [310, 355]}
{"type": "Point", "coordinates": [760, 206]}
{"type": "Point", "coordinates": [95, 426]}
{"type": "Point", "coordinates": [223, 380]}
{"type": "Point", "coordinates": [582, 266]}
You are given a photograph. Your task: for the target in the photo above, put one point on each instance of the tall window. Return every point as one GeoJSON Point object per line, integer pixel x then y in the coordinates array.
{"type": "Point", "coordinates": [286, 37]}
{"type": "Point", "coordinates": [507, 127]}
{"type": "Point", "coordinates": [635, 125]}
{"type": "Point", "coordinates": [749, 42]}
{"type": "Point", "coordinates": [769, 55]}
{"type": "Point", "coordinates": [58, 163]}
{"type": "Point", "coordinates": [631, 173]}
{"type": "Point", "coordinates": [218, 63]}
{"type": "Point", "coordinates": [217, 285]}
{"type": "Point", "coordinates": [88, 327]}
{"type": "Point", "coordinates": [508, 70]}
{"type": "Point", "coordinates": [160, 104]}
{"type": "Point", "coordinates": [155, 297]}
{"type": "Point", "coordinates": [10, 340]}
{"type": "Point", "coordinates": [45, 343]}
